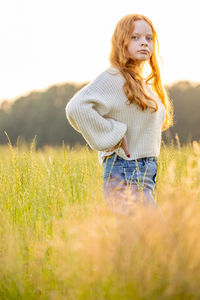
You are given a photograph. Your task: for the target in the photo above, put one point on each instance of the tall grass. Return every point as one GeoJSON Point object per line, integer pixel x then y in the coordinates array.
{"type": "Point", "coordinates": [59, 240]}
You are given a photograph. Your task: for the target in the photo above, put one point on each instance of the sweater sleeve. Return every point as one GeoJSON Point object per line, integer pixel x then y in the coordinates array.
{"type": "Point", "coordinates": [88, 111]}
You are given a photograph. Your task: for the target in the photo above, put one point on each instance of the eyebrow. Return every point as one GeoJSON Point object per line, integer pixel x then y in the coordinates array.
{"type": "Point", "coordinates": [140, 33]}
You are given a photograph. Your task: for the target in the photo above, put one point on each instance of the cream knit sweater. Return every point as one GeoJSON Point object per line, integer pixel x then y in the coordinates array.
{"type": "Point", "coordinates": [100, 113]}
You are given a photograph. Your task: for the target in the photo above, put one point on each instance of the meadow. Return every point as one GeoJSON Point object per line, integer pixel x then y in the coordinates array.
{"type": "Point", "coordinates": [59, 240]}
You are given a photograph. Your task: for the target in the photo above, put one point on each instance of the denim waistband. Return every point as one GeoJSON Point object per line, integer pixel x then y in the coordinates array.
{"type": "Point", "coordinates": [142, 159]}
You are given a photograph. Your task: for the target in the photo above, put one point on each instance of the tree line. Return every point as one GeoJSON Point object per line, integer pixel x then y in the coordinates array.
{"type": "Point", "coordinates": [42, 115]}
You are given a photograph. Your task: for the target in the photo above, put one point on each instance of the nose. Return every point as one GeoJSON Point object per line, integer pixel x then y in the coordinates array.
{"type": "Point", "coordinates": [144, 42]}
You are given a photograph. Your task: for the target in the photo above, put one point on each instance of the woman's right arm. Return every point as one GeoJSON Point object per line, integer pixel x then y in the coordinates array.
{"type": "Point", "coordinates": [87, 112]}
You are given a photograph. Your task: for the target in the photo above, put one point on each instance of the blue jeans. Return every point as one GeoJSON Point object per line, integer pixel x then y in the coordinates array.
{"type": "Point", "coordinates": [129, 182]}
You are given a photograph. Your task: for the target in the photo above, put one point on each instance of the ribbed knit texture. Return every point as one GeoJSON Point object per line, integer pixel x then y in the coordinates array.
{"type": "Point", "coordinates": [99, 111]}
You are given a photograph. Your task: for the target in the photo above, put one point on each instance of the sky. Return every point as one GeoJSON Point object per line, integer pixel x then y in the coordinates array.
{"type": "Point", "coordinates": [47, 42]}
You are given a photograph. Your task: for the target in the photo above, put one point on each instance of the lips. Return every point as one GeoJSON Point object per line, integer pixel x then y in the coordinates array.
{"type": "Point", "coordinates": [143, 51]}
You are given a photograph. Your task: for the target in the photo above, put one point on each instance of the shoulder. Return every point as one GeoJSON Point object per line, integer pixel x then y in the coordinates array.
{"type": "Point", "coordinates": [110, 79]}
{"type": "Point", "coordinates": [107, 84]}
{"type": "Point", "coordinates": [111, 74]}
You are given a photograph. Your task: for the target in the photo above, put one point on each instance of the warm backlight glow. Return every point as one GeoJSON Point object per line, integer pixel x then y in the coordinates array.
{"type": "Point", "coordinates": [49, 42]}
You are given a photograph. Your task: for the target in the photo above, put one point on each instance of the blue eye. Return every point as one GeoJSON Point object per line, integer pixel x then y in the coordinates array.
{"type": "Point", "coordinates": [149, 38]}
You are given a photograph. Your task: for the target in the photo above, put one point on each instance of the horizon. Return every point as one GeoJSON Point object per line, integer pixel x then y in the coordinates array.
{"type": "Point", "coordinates": [26, 94]}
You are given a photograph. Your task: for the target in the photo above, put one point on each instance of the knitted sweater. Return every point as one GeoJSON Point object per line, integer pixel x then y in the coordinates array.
{"type": "Point", "coordinates": [100, 113]}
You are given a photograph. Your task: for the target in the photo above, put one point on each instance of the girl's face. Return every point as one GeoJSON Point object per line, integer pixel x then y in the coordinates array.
{"type": "Point", "coordinates": [141, 44]}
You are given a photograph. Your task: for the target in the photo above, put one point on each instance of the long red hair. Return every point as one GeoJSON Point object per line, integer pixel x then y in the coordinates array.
{"type": "Point", "coordinates": [134, 85]}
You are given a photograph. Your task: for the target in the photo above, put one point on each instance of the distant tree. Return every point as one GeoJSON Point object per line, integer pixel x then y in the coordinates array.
{"type": "Point", "coordinates": [186, 100]}
{"type": "Point", "coordinates": [40, 114]}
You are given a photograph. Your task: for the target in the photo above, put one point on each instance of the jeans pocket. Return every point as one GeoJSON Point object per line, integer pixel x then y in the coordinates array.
{"type": "Point", "coordinates": [153, 169]}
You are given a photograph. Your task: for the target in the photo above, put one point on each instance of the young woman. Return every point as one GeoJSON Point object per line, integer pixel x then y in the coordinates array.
{"type": "Point", "coordinates": [121, 114]}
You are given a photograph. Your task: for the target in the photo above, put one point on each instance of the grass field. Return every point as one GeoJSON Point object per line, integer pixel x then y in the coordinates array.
{"type": "Point", "coordinates": [59, 240]}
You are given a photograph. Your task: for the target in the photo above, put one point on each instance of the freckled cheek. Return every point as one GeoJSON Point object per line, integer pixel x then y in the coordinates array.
{"type": "Point", "coordinates": [132, 48]}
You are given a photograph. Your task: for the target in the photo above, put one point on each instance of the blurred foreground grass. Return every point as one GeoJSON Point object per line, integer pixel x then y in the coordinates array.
{"type": "Point", "coordinates": [58, 239]}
